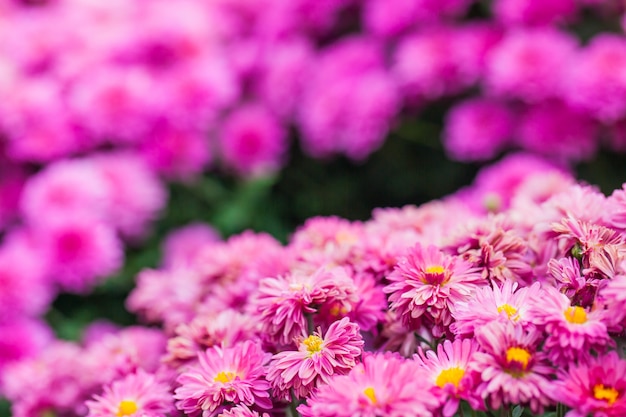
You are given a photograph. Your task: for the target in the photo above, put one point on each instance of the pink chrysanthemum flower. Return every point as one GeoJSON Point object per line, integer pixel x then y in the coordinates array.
{"type": "Point", "coordinates": [224, 329]}
{"type": "Point", "coordinates": [511, 369]}
{"type": "Point", "coordinates": [613, 296]}
{"type": "Point", "coordinates": [539, 13]}
{"type": "Point", "coordinates": [506, 303]}
{"type": "Point", "coordinates": [170, 296]}
{"type": "Point", "coordinates": [477, 129]}
{"type": "Point", "coordinates": [426, 282]}
{"type": "Point", "coordinates": [80, 251]}
{"type": "Point", "coordinates": [528, 64]}
{"type": "Point", "coordinates": [595, 78]}
{"type": "Point", "coordinates": [567, 275]}
{"type": "Point", "coordinates": [449, 373]}
{"type": "Point", "coordinates": [316, 360]}
{"type": "Point", "coordinates": [235, 375]}
{"type": "Point", "coordinates": [573, 332]}
{"type": "Point", "coordinates": [382, 385]}
{"type": "Point", "coordinates": [138, 394]}
{"type": "Point", "coordinates": [181, 246]}
{"type": "Point", "coordinates": [556, 130]}
{"type": "Point", "coordinates": [284, 302]}
{"type": "Point", "coordinates": [597, 388]}
{"type": "Point", "coordinates": [252, 141]}
{"type": "Point", "coordinates": [241, 410]}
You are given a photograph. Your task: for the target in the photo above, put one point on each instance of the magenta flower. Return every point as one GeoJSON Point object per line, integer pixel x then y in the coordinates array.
{"type": "Point", "coordinates": [597, 387]}
{"type": "Point", "coordinates": [317, 359]}
{"type": "Point", "coordinates": [252, 141]}
{"type": "Point", "coordinates": [138, 394]}
{"type": "Point", "coordinates": [511, 369]}
{"type": "Point", "coordinates": [450, 375]}
{"type": "Point", "coordinates": [529, 64]}
{"type": "Point", "coordinates": [426, 282]}
{"type": "Point", "coordinates": [235, 375]}
{"type": "Point", "coordinates": [241, 410]}
{"type": "Point", "coordinates": [477, 129]}
{"type": "Point", "coordinates": [382, 385]}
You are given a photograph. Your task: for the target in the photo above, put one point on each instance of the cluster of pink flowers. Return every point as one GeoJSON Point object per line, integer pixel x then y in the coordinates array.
{"type": "Point", "coordinates": [508, 293]}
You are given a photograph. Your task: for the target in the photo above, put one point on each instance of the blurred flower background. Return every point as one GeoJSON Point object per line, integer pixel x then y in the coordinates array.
{"type": "Point", "coordinates": [132, 130]}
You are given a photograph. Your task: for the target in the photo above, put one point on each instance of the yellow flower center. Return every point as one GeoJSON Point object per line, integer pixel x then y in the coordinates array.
{"type": "Point", "coordinates": [435, 269]}
{"type": "Point", "coordinates": [450, 376]}
{"type": "Point", "coordinates": [576, 315]}
{"type": "Point", "coordinates": [127, 408]}
{"type": "Point", "coordinates": [224, 377]}
{"type": "Point", "coordinates": [519, 356]}
{"type": "Point", "coordinates": [509, 310]}
{"type": "Point", "coordinates": [313, 344]}
{"type": "Point", "coordinates": [609, 394]}
{"type": "Point", "coordinates": [370, 394]}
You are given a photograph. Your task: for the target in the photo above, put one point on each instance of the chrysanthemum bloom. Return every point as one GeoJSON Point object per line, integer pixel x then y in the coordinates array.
{"type": "Point", "coordinates": [477, 129]}
{"type": "Point", "coordinates": [26, 290]}
{"type": "Point", "coordinates": [181, 245]}
{"type": "Point", "coordinates": [241, 410]}
{"type": "Point", "coordinates": [170, 296]}
{"type": "Point", "coordinates": [426, 282]}
{"type": "Point", "coordinates": [449, 373]}
{"type": "Point", "coordinates": [598, 248]}
{"type": "Point", "coordinates": [382, 385]}
{"type": "Point", "coordinates": [317, 359]}
{"type": "Point", "coordinates": [353, 117]}
{"type": "Point", "coordinates": [503, 303]}
{"type": "Point", "coordinates": [556, 130]}
{"type": "Point", "coordinates": [511, 369]}
{"type": "Point", "coordinates": [529, 64]}
{"type": "Point", "coordinates": [252, 141]}
{"type": "Point", "coordinates": [613, 296]}
{"type": "Point", "coordinates": [80, 251]}
{"type": "Point", "coordinates": [123, 352]}
{"type": "Point", "coordinates": [426, 64]}
{"type": "Point", "coordinates": [135, 193]}
{"type": "Point", "coordinates": [595, 79]}
{"type": "Point", "coordinates": [597, 388]}
{"type": "Point", "coordinates": [138, 394]}
{"type": "Point", "coordinates": [529, 12]}
{"type": "Point", "coordinates": [495, 185]}
{"type": "Point", "coordinates": [22, 338]}
{"type": "Point", "coordinates": [177, 152]}
{"type": "Point", "coordinates": [615, 213]}
{"type": "Point", "coordinates": [65, 189]}
{"type": "Point", "coordinates": [284, 302]}
{"type": "Point", "coordinates": [567, 276]}
{"type": "Point", "coordinates": [225, 329]}
{"type": "Point", "coordinates": [235, 375]}
{"type": "Point", "coordinates": [573, 332]}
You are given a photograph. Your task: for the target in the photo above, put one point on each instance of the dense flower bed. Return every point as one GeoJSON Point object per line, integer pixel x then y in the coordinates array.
{"type": "Point", "coordinates": [506, 294]}
{"type": "Point", "coordinates": [110, 100]}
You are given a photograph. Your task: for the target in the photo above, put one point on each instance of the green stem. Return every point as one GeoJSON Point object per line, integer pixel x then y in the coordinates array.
{"type": "Point", "coordinates": [293, 405]}
{"type": "Point", "coordinates": [309, 323]}
{"type": "Point", "coordinates": [560, 410]}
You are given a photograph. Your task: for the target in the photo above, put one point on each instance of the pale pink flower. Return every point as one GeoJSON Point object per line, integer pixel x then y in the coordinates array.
{"type": "Point", "coordinates": [498, 303]}
{"type": "Point", "coordinates": [235, 375]}
{"type": "Point", "coordinates": [448, 370]}
{"type": "Point", "coordinates": [137, 394]}
{"type": "Point", "coordinates": [383, 384]}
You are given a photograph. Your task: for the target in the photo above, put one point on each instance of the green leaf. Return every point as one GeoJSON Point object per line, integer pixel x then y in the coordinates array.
{"type": "Point", "coordinates": [517, 411]}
